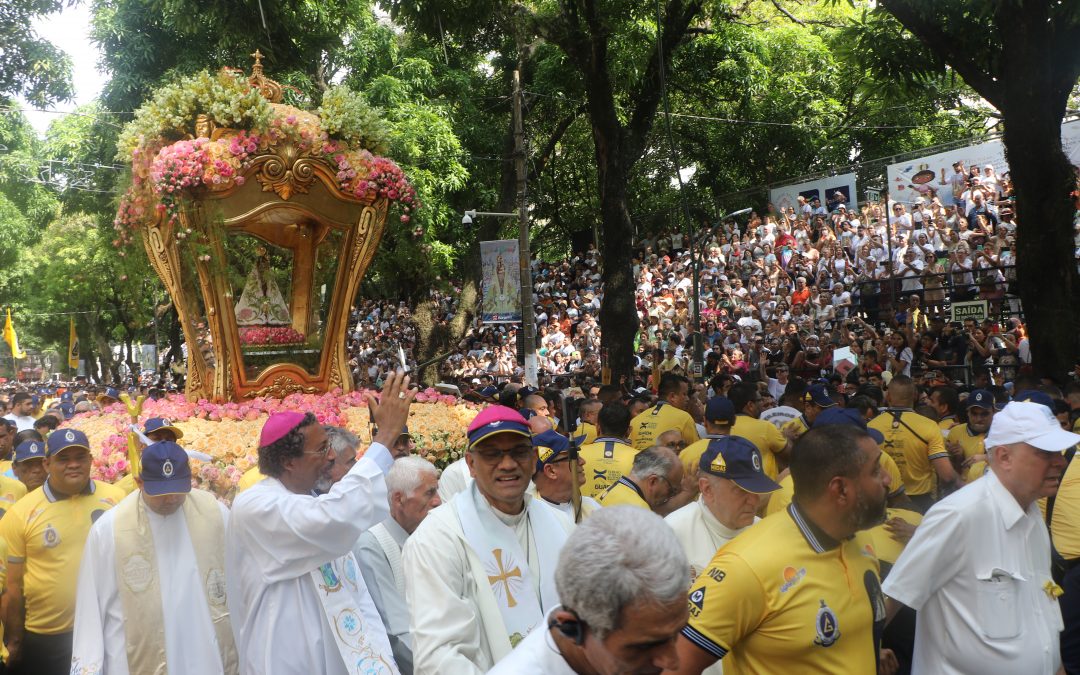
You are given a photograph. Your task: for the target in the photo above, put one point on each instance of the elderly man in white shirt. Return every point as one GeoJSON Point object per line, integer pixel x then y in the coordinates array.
{"type": "Point", "coordinates": [978, 567]}
{"type": "Point", "coordinates": [412, 490]}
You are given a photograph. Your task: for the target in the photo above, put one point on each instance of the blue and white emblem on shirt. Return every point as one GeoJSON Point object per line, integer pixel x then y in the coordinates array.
{"type": "Point", "coordinates": [827, 627]}
{"type": "Point", "coordinates": [51, 537]}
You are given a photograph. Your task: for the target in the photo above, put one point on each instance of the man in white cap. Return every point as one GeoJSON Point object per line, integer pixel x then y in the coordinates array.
{"type": "Point", "coordinates": [297, 600]}
{"type": "Point", "coordinates": [978, 568]}
{"type": "Point", "coordinates": [151, 593]}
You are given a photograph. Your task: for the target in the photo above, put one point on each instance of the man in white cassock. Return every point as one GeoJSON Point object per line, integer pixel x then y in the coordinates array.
{"type": "Point", "coordinates": [732, 486]}
{"type": "Point", "coordinates": [411, 485]}
{"type": "Point", "coordinates": [151, 591]}
{"type": "Point", "coordinates": [479, 571]}
{"type": "Point", "coordinates": [296, 597]}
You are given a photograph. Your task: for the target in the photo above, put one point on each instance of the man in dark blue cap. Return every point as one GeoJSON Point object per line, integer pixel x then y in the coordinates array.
{"type": "Point", "coordinates": [815, 400]}
{"type": "Point", "coordinates": [151, 592]}
{"type": "Point", "coordinates": [966, 442]}
{"type": "Point", "coordinates": [45, 532]}
{"type": "Point", "coordinates": [732, 485]}
{"type": "Point", "coordinates": [29, 464]}
{"type": "Point", "coordinates": [156, 429]}
{"type": "Point", "coordinates": [108, 397]}
{"type": "Point", "coordinates": [554, 477]}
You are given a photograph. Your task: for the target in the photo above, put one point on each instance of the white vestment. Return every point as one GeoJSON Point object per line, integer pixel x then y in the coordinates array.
{"type": "Point", "coordinates": [100, 641]}
{"type": "Point", "coordinates": [700, 533]}
{"type": "Point", "coordinates": [588, 505]}
{"type": "Point", "coordinates": [536, 655]}
{"type": "Point", "coordinates": [275, 540]}
{"type": "Point", "coordinates": [454, 479]}
{"type": "Point", "coordinates": [456, 624]}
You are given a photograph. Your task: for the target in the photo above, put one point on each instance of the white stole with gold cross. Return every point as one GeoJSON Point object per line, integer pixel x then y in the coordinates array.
{"type": "Point", "coordinates": [506, 566]}
{"type": "Point", "coordinates": [358, 630]}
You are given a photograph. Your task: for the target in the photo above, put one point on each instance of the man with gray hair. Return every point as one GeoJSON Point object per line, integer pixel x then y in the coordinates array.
{"type": "Point", "coordinates": [629, 628]}
{"type": "Point", "coordinates": [655, 478]}
{"type": "Point", "coordinates": [412, 490]}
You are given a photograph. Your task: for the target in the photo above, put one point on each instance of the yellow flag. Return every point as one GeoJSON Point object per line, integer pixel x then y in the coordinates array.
{"type": "Point", "coordinates": [73, 346]}
{"type": "Point", "coordinates": [11, 338]}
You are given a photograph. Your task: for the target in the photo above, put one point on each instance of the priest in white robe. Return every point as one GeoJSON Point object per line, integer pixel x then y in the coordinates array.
{"type": "Point", "coordinates": [479, 571]}
{"type": "Point", "coordinates": [151, 591]}
{"type": "Point", "coordinates": [411, 486]}
{"type": "Point", "coordinates": [732, 486]}
{"type": "Point", "coordinates": [298, 602]}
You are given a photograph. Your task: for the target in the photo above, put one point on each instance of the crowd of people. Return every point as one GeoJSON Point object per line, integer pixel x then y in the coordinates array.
{"type": "Point", "coordinates": [783, 524]}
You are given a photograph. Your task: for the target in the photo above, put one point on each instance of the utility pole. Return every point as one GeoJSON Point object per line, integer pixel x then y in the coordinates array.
{"type": "Point", "coordinates": [528, 319]}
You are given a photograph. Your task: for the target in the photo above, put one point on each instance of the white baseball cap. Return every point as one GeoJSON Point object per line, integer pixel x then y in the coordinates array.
{"type": "Point", "coordinates": [1031, 423]}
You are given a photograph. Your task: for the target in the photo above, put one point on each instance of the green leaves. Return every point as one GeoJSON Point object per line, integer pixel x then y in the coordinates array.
{"type": "Point", "coordinates": [345, 114]}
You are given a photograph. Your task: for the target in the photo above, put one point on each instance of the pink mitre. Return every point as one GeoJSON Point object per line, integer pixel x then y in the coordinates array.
{"type": "Point", "coordinates": [278, 425]}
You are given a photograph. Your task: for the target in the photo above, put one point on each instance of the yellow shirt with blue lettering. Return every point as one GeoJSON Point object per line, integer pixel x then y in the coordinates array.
{"type": "Point", "coordinates": [47, 532]}
{"type": "Point", "coordinates": [766, 438]}
{"type": "Point", "coordinates": [648, 425]}
{"type": "Point", "coordinates": [606, 461]}
{"type": "Point", "coordinates": [913, 441]}
{"type": "Point", "coordinates": [624, 492]}
{"type": "Point", "coordinates": [783, 597]}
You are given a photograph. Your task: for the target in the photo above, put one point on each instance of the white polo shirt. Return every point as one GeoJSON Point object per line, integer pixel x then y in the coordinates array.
{"type": "Point", "coordinates": [976, 571]}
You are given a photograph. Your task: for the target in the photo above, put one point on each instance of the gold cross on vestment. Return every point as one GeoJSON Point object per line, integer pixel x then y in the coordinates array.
{"type": "Point", "coordinates": [504, 576]}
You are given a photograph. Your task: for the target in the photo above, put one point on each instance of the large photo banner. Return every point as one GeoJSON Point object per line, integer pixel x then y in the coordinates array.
{"type": "Point", "coordinates": [824, 189]}
{"type": "Point", "coordinates": [936, 174]}
{"type": "Point", "coordinates": [501, 282]}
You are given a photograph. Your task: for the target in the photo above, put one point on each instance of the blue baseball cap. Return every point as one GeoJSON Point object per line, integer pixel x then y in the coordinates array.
{"type": "Point", "coordinates": [67, 409]}
{"type": "Point", "coordinates": [30, 450]}
{"type": "Point", "coordinates": [1035, 396]}
{"type": "Point", "coordinates": [818, 394]}
{"type": "Point", "coordinates": [165, 469]}
{"type": "Point", "coordinates": [161, 424]}
{"type": "Point", "coordinates": [489, 391]}
{"type": "Point", "coordinates": [65, 438]}
{"type": "Point", "coordinates": [67, 397]}
{"type": "Point", "coordinates": [738, 460]}
{"type": "Point", "coordinates": [980, 398]}
{"type": "Point", "coordinates": [720, 410]}
{"type": "Point", "coordinates": [846, 416]}
{"type": "Point", "coordinates": [549, 445]}
{"type": "Point", "coordinates": [110, 392]}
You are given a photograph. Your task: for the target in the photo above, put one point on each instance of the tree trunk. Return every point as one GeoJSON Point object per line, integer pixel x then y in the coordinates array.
{"type": "Point", "coordinates": [176, 339]}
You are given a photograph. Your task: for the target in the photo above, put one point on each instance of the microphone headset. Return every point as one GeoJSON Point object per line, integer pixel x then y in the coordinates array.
{"type": "Point", "coordinates": [573, 629]}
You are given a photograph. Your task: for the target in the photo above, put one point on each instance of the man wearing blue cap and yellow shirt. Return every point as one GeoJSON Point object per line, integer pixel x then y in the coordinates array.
{"type": "Point", "coordinates": [966, 442]}
{"type": "Point", "coordinates": [29, 466]}
{"type": "Point", "coordinates": [732, 485]}
{"type": "Point", "coordinates": [554, 477]}
{"type": "Point", "coordinates": [45, 532]}
{"type": "Point", "coordinates": [815, 400]}
{"type": "Point", "coordinates": [481, 567]}
{"type": "Point", "coordinates": [151, 594]}
{"type": "Point", "coordinates": [799, 591]}
{"type": "Point", "coordinates": [156, 429]}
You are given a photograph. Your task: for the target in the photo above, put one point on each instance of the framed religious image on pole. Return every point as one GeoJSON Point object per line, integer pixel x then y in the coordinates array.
{"type": "Point", "coordinates": [500, 281]}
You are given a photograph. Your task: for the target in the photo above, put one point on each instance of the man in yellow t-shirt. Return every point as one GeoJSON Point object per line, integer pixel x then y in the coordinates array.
{"type": "Point", "coordinates": [966, 443]}
{"type": "Point", "coordinates": [799, 591]}
{"type": "Point", "coordinates": [815, 400]}
{"type": "Point", "coordinates": [45, 532]}
{"type": "Point", "coordinates": [770, 442]}
{"type": "Point", "coordinates": [668, 413]}
{"type": "Point", "coordinates": [946, 401]}
{"type": "Point", "coordinates": [655, 478]}
{"type": "Point", "coordinates": [588, 413]}
{"type": "Point", "coordinates": [29, 464]}
{"type": "Point", "coordinates": [609, 457]}
{"type": "Point", "coordinates": [915, 442]}
{"type": "Point", "coordinates": [719, 419]}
